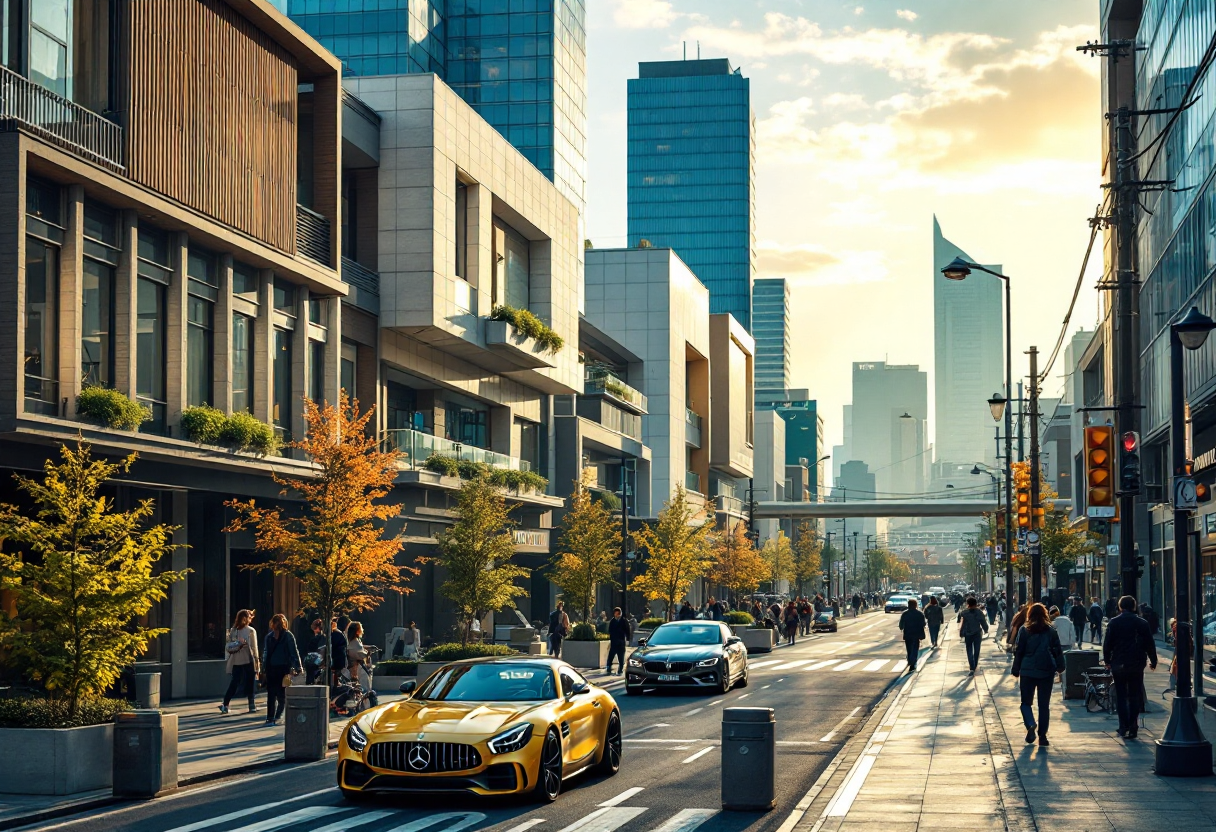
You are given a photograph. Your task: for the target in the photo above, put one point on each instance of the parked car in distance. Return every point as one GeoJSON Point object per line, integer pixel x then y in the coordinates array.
{"type": "Point", "coordinates": [689, 654]}
{"type": "Point", "coordinates": [896, 603]}
{"type": "Point", "coordinates": [825, 622]}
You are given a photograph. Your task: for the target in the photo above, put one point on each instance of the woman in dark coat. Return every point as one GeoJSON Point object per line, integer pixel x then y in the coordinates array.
{"type": "Point", "coordinates": [934, 618]}
{"type": "Point", "coordinates": [1037, 659]}
{"type": "Point", "coordinates": [790, 620]}
{"type": "Point", "coordinates": [280, 658]}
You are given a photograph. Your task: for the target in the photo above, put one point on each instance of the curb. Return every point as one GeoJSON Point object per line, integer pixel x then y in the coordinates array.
{"type": "Point", "coordinates": [60, 812]}
{"type": "Point", "coordinates": [1015, 806]}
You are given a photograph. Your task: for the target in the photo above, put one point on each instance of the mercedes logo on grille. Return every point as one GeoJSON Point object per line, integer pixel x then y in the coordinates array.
{"type": "Point", "coordinates": [669, 665]}
{"type": "Point", "coordinates": [419, 757]}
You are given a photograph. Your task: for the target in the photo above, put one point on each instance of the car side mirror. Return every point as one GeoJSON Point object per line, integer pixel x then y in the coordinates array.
{"type": "Point", "coordinates": [641, 642]}
{"type": "Point", "coordinates": [408, 686]}
{"type": "Point", "coordinates": [733, 640]}
{"type": "Point", "coordinates": [578, 689]}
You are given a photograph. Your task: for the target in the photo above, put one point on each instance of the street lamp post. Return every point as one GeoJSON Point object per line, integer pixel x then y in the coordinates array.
{"type": "Point", "coordinates": [977, 469]}
{"type": "Point", "coordinates": [958, 269]}
{"type": "Point", "coordinates": [1183, 751]}
{"type": "Point", "coordinates": [854, 555]}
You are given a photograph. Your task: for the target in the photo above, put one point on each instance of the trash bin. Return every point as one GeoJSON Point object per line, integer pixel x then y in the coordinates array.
{"type": "Point", "coordinates": [1075, 662]}
{"type": "Point", "coordinates": [147, 690]}
{"type": "Point", "coordinates": [145, 753]}
{"type": "Point", "coordinates": [749, 759]}
{"type": "Point", "coordinates": [306, 728]}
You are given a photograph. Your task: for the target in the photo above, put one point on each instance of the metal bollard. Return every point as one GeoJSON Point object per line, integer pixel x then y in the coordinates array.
{"type": "Point", "coordinates": [749, 759]}
{"type": "Point", "coordinates": [306, 727]}
{"type": "Point", "coordinates": [147, 690]}
{"type": "Point", "coordinates": [145, 753]}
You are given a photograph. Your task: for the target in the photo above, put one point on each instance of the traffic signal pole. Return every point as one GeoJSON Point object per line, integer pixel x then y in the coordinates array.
{"type": "Point", "coordinates": [1036, 549]}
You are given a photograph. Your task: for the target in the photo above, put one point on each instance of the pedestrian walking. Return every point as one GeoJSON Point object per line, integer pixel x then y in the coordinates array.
{"type": "Point", "coordinates": [804, 616]}
{"type": "Point", "coordinates": [1019, 619]}
{"type": "Point", "coordinates": [1063, 627]}
{"type": "Point", "coordinates": [1037, 659]}
{"type": "Point", "coordinates": [1129, 647]}
{"type": "Point", "coordinates": [715, 610]}
{"type": "Point", "coordinates": [280, 663]}
{"type": "Point", "coordinates": [313, 649]}
{"type": "Point", "coordinates": [242, 662]}
{"type": "Point", "coordinates": [991, 608]}
{"type": "Point", "coordinates": [790, 621]}
{"type": "Point", "coordinates": [912, 623]}
{"type": "Point", "coordinates": [1080, 620]}
{"type": "Point", "coordinates": [358, 660]}
{"type": "Point", "coordinates": [1095, 622]}
{"type": "Point", "coordinates": [559, 628]}
{"type": "Point", "coordinates": [933, 618]}
{"type": "Point", "coordinates": [619, 634]}
{"type": "Point", "coordinates": [972, 627]}
{"type": "Point", "coordinates": [337, 653]}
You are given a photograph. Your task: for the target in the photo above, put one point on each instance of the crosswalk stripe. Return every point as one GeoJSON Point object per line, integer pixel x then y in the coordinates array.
{"type": "Point", "coordinates": [467, 819]}
{"type": "Point", "coordinates": [700, 753]}
{"type": "Point", "coordinates": [791, 665]}
{"type": "Point", "coordinates": [353, 822]}
{"type": "Point", "coordinates": [526, 825]}
{"type": "Point", "coordinates": [298, 816]}
{"type": "Point", "coordinates": [846, 665]}
{"type": "Point", "coordinates": [758, 665]}
{"type": "Point", "coordinates": [686, 820]}
{"type": "Point", "coordinates": [622, 797]}
{"type": "Point", "coordinates": [818, 665]}
{"type": "Point", "coordinates": [899, 665]}
{"type": "Point", "coordinates": [241, 813]}
{"type": "Point", "coordinates": [607, 819]}
{"type": "Point", "coordinates": [875, 665]}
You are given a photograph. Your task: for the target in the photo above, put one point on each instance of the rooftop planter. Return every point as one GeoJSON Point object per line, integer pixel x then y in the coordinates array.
{"type": "Point", "coordinates": [508, 478]}
{"type": "Point", "coordinates": [238, 432]}
{"type": "Point", "coordinates": [521, 338]}
{"type": "Point", "coordinates": [111, 409]}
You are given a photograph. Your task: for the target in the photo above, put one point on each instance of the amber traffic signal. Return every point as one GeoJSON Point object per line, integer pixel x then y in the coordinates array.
{"type": "Point", "coordinates": [1021, 492]}
{"type": "Point", "coordinates": [1099, 471]}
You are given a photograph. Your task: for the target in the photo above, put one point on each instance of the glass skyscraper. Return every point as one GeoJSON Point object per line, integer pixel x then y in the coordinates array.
{"type": "Point", "coordinates": [771, 313]}
{"type": "Point", "coordinates": [691, 173]}
{"type": "Point", "coordinates": [521, 64]}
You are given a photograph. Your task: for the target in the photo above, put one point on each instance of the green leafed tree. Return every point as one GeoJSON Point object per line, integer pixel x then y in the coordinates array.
{"type": "Point", "coordinates": [81, 576]}
{"type": "Point", "coordinates": [678, 550]}
{"type": "Point", "coordinates": [588, 551]}
{"type": "Point", "coordinates": [779, 556]}
{"type": "Point", "coordinates": [476, 552]}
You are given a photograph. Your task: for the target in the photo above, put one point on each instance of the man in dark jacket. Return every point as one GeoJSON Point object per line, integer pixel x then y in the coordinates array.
{"type": "Point", "coordinates": [1079, 619]}
{"type": "Point", "coordinates": [619, 634]}
{"type": "Point", "coordinates": [686, 613]}
{"type": "Point", "coordinates": [912, 623]}
{"type": "Point", "coordinates": [990, 608]}
{"type": "Point", "coordinates": [1095, 623]}
{"type": "Point", "coordinates": [1129, 646]}
{"type": "Point", "coordinates": [714, 611]}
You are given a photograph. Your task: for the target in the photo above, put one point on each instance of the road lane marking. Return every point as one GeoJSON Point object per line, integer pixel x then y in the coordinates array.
{"type": "Point", "coordinates": [686, 820]}
{"type": "Point", "coordinates": [606, 819]}
{"type": "Point", "coordinates": [298, 816]}
{"type": "Point", "coordinates": [715, 702]}
{"type": "Point", "coordinates": [868, 627]}
{"type": "Point", "coordinates": [827, 737]}
{"type": "Point", "coordinates": [526, 825]}
{"type": "Point", "coordinates": [875, 665]}
{"type": "Point", "coordinates": [700, 753]}
{"type": "Point", "coordinates": [792, 665]}
{"type": "Point", "coordinates": [694, 712]}
{"type": "Point", "coordinates": [758, 665]}
{"type": "Point", "coordinates": [818, 665]}
{"type": "Point", "coordinates": [899, 665]}
{"type": "Point", "coordinates": [353, 821]}
{"type": "Point", "coordinates": [766, 687]}
{"type": "Point", "coordinates": [242, 813]}
{"type": "Point", "coordinates": [840, 725]}
{"type": "Point", "coordinates": [744, 696]}
{"type": "Point", "coordinates": [622, 797]}
{"type": "Point", "coordinates": [463, 821]}
{"type": "Point", "coordinates": [647, 728]}
{"type": "Point", "coordinates": [847, 665]}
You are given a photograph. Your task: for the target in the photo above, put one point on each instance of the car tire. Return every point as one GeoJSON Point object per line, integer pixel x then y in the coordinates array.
{"type": "Point", "coordinates": [724, 682]}
{"type": "Point", "coordinates": [549, 772]}
{"type": "Point", "coordinates": [610, 762]}
{"type": "Point", "coordinates": [742, 683]}
{"type": "Point", "coordinates": [633, 690]}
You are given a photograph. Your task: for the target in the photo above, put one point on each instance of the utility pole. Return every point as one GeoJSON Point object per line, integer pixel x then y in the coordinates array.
{"type": "Point", "coordinates": [624, 537]}
{"type": "Point", "coordinates": [1021, 423]}
{"type": "Point", "coordinates": [1036, 549]}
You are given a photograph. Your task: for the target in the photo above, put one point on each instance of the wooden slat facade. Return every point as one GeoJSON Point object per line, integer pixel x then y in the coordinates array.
{"type": "Point", "coordinates": [212, 115]}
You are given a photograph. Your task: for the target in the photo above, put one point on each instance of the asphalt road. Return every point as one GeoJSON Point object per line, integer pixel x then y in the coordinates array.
{"type": "Point", "coordinates": [669, 780]}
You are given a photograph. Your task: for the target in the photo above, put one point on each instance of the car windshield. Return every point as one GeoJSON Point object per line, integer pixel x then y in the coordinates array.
{"type": "Point", "coordinates": [492, 682]}
{"type": "Point", "coordinates": [686, 634]}
{"type": "Point", "coordinates": [825, 616]}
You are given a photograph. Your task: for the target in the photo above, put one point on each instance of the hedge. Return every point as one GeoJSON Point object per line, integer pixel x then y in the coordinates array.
{"type": "Point", "coordinates": [738, 618]}
{"type": "Point", "coordinates": [450, 466]}
{"type": "Point", "coordinates": [585, 632]}
{"type": "Point", "coordinates": [397, 667]}
{"type": "Point", "coordinates": [111, 408]}
{"type": "Point", "coordinates": [53, 713]}
{"type": "Point", "coordinates": [455, 652]}
{"type": "Point", "coordinates": [529, 325]}
{"type": "Point", "coordinates": [650, 623]}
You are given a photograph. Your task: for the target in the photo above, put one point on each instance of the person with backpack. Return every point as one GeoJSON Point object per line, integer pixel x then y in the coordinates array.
{"type": "Point", "coordinates": [1096, 615]}
{"type": "Point", "coordinates": [972, 629]}
{"type": "Point", "coordinates": [1129, 647]}
{"type": "Point", "coordinates": [559, 628]}
{"type": "Point", "coordinates": [1079, 620]}
{"type": "Point", "coordinates": [1037, 659]}
{"type": "Point", "coordinates": [933, 618]}
{"type": "Point", "coordinates": [912, 623]}
{"type": "Point", "coordinates": [790, 620]}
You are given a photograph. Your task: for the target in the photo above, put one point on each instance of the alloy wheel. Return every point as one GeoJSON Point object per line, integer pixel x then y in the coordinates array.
{"type": "Point", "coordinates": [611, 761]}
{"type": "Point", "coordinates": [550, 785]}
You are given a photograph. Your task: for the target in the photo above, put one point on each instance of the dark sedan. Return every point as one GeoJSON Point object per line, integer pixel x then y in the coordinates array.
{"type": "Point", "coordinates": [689, 654]}
{"type": "Point", "coordinates": [825, 622]}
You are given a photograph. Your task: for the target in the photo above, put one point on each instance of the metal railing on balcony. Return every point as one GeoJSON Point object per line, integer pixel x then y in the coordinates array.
{"type": "Point", "coordinates": [312, 235]}
{"type": "Point", "coordinates": [29, 106]}
{"type": "Point", "coordinates": [602, 382]}
{"type": "Point", "coordinates": [615, 419]}
{"type": "Point", "coordinates": [728, 505]}
{"type": "Point", "coordinates": [366, 285]}
{"type": "Point", "coordinates": [692, 481]}
{"type": "Point", "coordinates": [416, 447]}
{"type": "Point", "coordinates": [692, 428]}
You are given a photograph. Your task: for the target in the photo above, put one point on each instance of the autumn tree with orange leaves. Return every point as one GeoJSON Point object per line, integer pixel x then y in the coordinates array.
{"type": "Point", "coordinates": [337, 547]}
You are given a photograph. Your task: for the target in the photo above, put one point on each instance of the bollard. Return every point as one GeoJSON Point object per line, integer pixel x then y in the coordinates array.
{"type": "Point", "coordinates": [306, 726]}
{"type": "Point", "coordinates": [1076, 661]}
{"type": "Point", "coordinates": [145, 753]}
{"type": "Point", "coordinates": [147, 691]}
{"type": "Point", "coordinates": [749, 759]}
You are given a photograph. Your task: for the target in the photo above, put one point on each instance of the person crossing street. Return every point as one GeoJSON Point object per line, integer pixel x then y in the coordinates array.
{"type": "Point", "coordinates": [619, 634]}
{"type": "Point", "coordinates": [912, 623]}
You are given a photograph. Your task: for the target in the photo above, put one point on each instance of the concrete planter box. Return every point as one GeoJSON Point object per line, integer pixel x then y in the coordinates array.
{"type": "Point", "coordinates": [585, 654]}
{"type": "Point", "coordinates": [516, 348]}
{"type": "Point", "coordinates": [390, 684]}
{"type": "Point", "coordinates": [758, 640]}
{"type": "Point", "coordinates": [425, 669]}
{"type": "Point", "coordinates": [57, 760]}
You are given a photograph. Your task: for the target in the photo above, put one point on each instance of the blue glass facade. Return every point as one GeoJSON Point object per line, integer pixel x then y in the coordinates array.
{"type": "Point", "coordinates": [771, 329]}
{"type": "Point", "coordinates": [803, 433]}
{"type": "Point", "coordinates": [521, 64]}
{"type": "Point", "coordinates": [691, 173]}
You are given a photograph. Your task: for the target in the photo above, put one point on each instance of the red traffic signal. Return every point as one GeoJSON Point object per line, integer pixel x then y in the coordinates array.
{"type": "Point", "coordinates": [1131, 441]}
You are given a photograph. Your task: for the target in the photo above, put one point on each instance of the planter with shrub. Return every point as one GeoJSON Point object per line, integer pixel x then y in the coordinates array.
{"type": "Point", "coordinates": [203, 424]}
{"type": "Point", "coordinates": [111, 409]}
{"type": "Point", "coordinates": [758, 638]}
{"type": "Point", "coordinates": [240, 432]}
{"type": "Point", "coordinates": [391, 673]}
{"type": "Point", "coordinates": [518, 481]}
{"type": "Point", "coordinates": [70, 753]}
{"type": "Point", "coordinates": [442, 654]}
{"type": "Point", "coordinates": [529, 326]}
{"type": "Point", "coordinates": [738, 621]}
{"type": "Point", "coordinates": [585, 647]}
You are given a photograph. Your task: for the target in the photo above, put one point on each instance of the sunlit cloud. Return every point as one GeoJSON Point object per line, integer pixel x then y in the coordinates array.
{"type": "Point", "coordinates": [906, 14]}
{"type": "Point", "coordinates": [809, 264]}
{"type": "Point", "coordinates": [644, 14]}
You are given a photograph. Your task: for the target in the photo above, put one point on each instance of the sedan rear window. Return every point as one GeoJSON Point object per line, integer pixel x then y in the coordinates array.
{"type": "Point", "coordinates": [686, 634]}
{"type": "Point", "coordinates": [490, 683]}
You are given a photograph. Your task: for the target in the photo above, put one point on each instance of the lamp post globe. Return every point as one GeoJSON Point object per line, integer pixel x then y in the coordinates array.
{"type": "Point", "coordinates": [996, 406]}
{"type": "Point", "coordinates": [1194, 328]}
{"type": "Point", "coordinates": [957, 269]}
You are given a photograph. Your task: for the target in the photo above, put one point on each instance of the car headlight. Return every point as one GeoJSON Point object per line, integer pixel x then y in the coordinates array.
{"type": "Point", "coordinates": [355, 738]}
{"type": "Point", "coordinates": [707, 662]}
{"type": "Point", "coordinates": [635, 662]}
{"type": "Point", "coordinates": [511, 739]}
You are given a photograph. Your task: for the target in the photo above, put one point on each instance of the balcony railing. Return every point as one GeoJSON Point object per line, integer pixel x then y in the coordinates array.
{"type": "Point", "coordinates": [600, 382]}
{"type": "Point", "coordinates": [728, 505]}
{"type": "Point", "coordinates": [692, 481]}
{"type": "Point", "coordinates": [692, 428]}
{"type": "Point", "coordinates": [29, 106]}
{"type": "Point", "coordinates": [366, 285]}
{"type": "Point", "coordinates": [619, 421]}
{"type": "Point", "coordinates": [416, 446]}
{"type": "Point", "coordinates": [312, 235]}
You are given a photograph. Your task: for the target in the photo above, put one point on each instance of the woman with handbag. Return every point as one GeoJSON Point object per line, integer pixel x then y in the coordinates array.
{"type": "Point", "coordinates": [357, 658]}
{"type": "Point", "coordinates": [281, 662]}
{"type": "Point", "coordinates": [242, 662]}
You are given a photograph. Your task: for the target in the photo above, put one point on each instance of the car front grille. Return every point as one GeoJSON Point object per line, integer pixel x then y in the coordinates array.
{"type": "Point", "coordinates": [668, 667]}
{"type": "Point", "coordinates": [423, 757]}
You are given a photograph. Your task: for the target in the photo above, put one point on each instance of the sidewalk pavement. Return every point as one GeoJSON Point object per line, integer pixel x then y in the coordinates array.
{"type": "Point", "coordinates": [948, 752]}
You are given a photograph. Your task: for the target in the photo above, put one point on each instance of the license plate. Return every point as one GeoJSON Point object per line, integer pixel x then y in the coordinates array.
{"type": "Point", "coordinates": [669, 677]}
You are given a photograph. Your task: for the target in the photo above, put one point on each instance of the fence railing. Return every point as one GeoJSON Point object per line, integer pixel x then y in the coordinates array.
{"type": "Point", "coordinates": [692, 429]}
{"type": "Point", "coordinates": [692, 481]}
{"type": "Point", "coordinates": [366, 285]}
{"type": "Point", "coordinates": [601, 381]}
{"type": "Point", "coordinates": [24, 104]}
{"type": "Point", "coordinates": [416, 446]}
{"type": "Point", "coordinates": [312, 235]}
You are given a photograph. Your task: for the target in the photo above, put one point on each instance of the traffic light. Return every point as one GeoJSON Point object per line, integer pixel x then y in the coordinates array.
{"type": "Point", "coordinates": [1099, 471]}
{"type": "Point", "coordinates": [1021, 490]}
{"type": "Point", "coordinates": [1129, 464]}
{"type": "Point", "coordinates": [1203, 492]}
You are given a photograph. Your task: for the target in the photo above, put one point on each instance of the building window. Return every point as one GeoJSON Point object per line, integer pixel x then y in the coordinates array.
{"type": "Point", "coordinates": [202, 288]}
{"type": "Point", "coordinates": [41, 326]}
{"type": "Point", "coordinates": [401, 407]}
{"type": "Point", "coordinates": [529, 444]}
{"type": "Point", "coordinates": [281, 415]}
{"type": "Point", "coordinates": [242, 363]}
{"type": "Point", "coordinates": [512, 266]}
{"type": "Point", "coordinates": [245, 282]}
{"type": "Point", "coordinates": [462, 229]}
{"type": "Point", "coordinates": [101, 252]}
{"type": "Point", "coordinates": [467, 425]}
{"type": "Point", "coordinates": [316, 371]}
{"type": "Point", "coordinates": [48, 57]}
{"type": "Point", "coordinates": [284, 298]}
{"type": "Point", "coordinates": [348, 216]}
{"type": "Point", "coordinates": [150, 350]}
{"type": "Point", "coordinates": [348, 368]}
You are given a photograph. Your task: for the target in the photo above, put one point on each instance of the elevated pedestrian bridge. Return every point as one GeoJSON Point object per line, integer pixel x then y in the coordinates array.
{"type": "Point", "coordinates": [780, 510]}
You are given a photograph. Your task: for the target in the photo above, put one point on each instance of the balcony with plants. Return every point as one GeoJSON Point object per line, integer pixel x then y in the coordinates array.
{"type": "Point", "coordinates": [599, 381]}
{"type": "Point", "coordinates": [522, 339]}
{"type": "Point", "coordinates": [423, 452]}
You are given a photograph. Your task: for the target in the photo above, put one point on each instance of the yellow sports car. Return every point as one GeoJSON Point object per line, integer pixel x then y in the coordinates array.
{"type": "Point", "coordinates": [489, 726]}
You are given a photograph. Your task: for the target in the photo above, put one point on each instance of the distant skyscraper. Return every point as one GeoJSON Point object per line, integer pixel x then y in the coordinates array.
{"type": "Point", "coordinates": [968, 357]}
{"type": "Point", "coordinates": [522, 71]}
{"type": "Point", "coordinates": [691, 183]}
{"type": "Point", "coordinates": [771, 329]}
{"type": "Point", "coordinates": [890, 412]}
{"type": "Point", "coordinates": [803, 432]}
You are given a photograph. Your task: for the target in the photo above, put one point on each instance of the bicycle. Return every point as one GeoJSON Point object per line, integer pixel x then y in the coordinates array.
{"type": "Point", "coordinates": [1099, 690]}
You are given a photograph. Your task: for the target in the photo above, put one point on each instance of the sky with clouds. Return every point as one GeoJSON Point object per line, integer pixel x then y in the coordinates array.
{"type": "Point", "coordinates": [871, 117]}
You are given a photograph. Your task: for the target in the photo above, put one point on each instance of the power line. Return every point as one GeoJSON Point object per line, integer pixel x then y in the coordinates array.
{"type": "Point", "coordinates": [1095, 224]}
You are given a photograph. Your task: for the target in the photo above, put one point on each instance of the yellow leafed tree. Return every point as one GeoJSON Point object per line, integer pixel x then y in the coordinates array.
{"type": "Point", "coordinates": [678, 550]}
{"type": "Point", "coordinates": [738, 566]}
